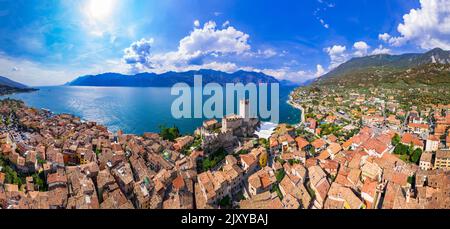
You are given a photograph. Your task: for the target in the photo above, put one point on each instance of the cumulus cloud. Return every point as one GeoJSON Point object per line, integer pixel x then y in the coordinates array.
{"type": "Point", "coordinates": [427, 27]}
{"type": "Point", "coordinates": [384, 37]}
{"type": "Point", "coordinates": [287, 73]}
{"type": "Point", "coordinates": [320, 71]}
{"type": "Point", "coordinates": [207, 41]}
{"type": "Point", "coordinates": [197, 23]}
{"type": "Point", "coordinates": [207, 47]}
{"type": "Point", "coordinates": [361, 48]}
{"type": "Point", "coordinates": [138, 54]}
{"type": "Point", "coordinates": [337, 55]}
{"type": "Point", "coordinates": [381, 50]}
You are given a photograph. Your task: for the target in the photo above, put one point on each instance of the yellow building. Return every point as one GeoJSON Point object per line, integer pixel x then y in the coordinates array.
{"type": "Point", "coordinates": [442, 160]}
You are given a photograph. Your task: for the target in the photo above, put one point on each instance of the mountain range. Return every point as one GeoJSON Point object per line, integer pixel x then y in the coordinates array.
{"type": "Point", "coordinates": [9, 83]}
{"type": "Point", "coordinates": [425, 68]}
{"type": "Point", "coordinates": [8, 86]}
{"type": "Point", "coordinates": [168, 79]}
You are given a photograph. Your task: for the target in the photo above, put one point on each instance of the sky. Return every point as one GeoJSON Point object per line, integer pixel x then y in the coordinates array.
{"type": "Point", "coordinates": [50, 42]}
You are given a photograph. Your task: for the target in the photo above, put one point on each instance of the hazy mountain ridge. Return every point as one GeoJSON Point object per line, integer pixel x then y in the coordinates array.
{"type": "Point", "coordinates": [427, 68]}
{"type": "Point", "coordinates": [10, 83]}
{"type": "Point", "coordinates": [168, 79]}
{"type": "Point", "coordinates": [8, 86]}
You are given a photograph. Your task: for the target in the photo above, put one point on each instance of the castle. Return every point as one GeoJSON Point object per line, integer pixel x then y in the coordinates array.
{"type": "Point", "coordinates": [233, 128]}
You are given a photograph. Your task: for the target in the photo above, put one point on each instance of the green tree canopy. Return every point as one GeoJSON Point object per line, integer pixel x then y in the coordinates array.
{"type": "Point", "coordinates": [169, 133]}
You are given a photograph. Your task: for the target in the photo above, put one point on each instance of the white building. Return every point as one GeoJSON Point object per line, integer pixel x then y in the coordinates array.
{"type": "Point", "coordinates": [432, 144]}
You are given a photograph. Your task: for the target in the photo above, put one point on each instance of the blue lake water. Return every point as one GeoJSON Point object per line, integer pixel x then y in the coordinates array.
{"type": "Point", "coordinates": [133, 110]}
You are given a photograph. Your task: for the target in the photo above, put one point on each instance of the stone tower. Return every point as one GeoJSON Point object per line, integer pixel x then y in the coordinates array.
{"type": "Point", "coordinates": [244, 109]}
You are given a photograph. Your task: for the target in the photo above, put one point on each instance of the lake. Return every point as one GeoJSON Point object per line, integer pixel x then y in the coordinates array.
{"type": "Point", "coordinates": [133, 110]}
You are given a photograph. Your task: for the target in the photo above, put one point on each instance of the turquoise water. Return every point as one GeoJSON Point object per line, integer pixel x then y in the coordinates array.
{"type": "Point", "coordinates": [133, 110]}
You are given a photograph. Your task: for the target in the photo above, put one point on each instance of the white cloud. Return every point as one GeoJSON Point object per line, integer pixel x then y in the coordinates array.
{"type": "Point", "coordinates": [288, 74]}
{"type": "Point", "coordinates": [226, 24]}
{"type": "Point", "coordinates": [381, 50]}
{"type": "Point", "coordinates": [325, 25]}
{"type": "Point", "coordinates": [197, 23]}
{"type": "Point", "coordinates": [361, 49]}
{"type": "Point", "coordinates": [427, 27]}
{"type": "Point", "coordinates": [208, 40]}
{"type": "Point", "coordinates": [337, 55]}
{"type": "Point", "coordinates": [203, 48]}
{"type": "Point", "coordinates": [192, 50]}
{"type": "Point", "coordinates": [267, 53]}
{"type": "Point", "coordinates": [138, 54]}
{"type": "Point", "coordinates": [320, 71]}
{"type": "Point", "coordinates": [38, 74]}
{"type": "Point", "coordinates": [384, 37]}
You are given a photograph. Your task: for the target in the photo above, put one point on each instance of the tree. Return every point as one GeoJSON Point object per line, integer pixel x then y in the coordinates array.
{"type": "Point", "coordinates": [401, 149]}
{"type": "Point", "coordinates": [169, 133]}
{"type": "Point", "coordinates": [263, 159]}
{"type": "Point", "coordinates": [411, 180]}
{"type": "Point", "coordinates": [225, 202]}
{"type": "Point", "coordinates": [280, 175]}
{"type": "Point", "coordinates": [39, 181]}
{"type": "Point", "coordinates": [396, 139]}
{"type": "Point", "coordinates": [416, 156]}
{"type": "Point", "coordinates": [411, 149]}
{"type": "Point", "coordinates": [263, 142]}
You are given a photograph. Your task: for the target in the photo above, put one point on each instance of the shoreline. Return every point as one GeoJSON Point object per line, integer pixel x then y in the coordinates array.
{"type": "Point", "coordinates": [289, 113]}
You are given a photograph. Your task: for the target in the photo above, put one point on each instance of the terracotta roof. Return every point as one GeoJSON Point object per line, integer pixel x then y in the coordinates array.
{"type": "Point", "coordinates": [369, 188]}
{"type": "Point", "coordinates": [210, 122]}
{"type": "Point", "coordinates": [311, 162]}
{"type": "Point", "coordinates": [322, 188]}
{"type": "Point", "coordinates": [376, 145]}
{"type": "Point", "coordinates": [332, 138]}
{"type": "Point", "coordinates": [348, 143]}
{"type": "Point", "coordinates": [2, 178]}
{"type": "Point", "coordinates": [178, 183]}
{"type": "Point", "coordinates": [354, 175]}
{"type": "Point", "coordinates": [301, 142]}
{"type": "Point", "coordinates": [334, 148]}
{"type": "Point", "coordinates": [409, 138]}
{"type": "Point", "coordinates": [249, 159]}
{"type": "Point", "coordinates": [426, 157]}
{"type": "Point", "coordinates": [56, 178]}
{"type": "Point", "coordinates": [418, 125]}
{"type": "Point", "coordinates": [323, 155]}
{"type": "Point", "coordinates": [342, 180]}
{"type": "Point", "coordinates": [273, 142]}
{"type": "Point", "coordinates": [433, 138]}
{"type": "Point", "coordinates": [443, 154]}
{"type": "Point", "coordinates": [318, 143]}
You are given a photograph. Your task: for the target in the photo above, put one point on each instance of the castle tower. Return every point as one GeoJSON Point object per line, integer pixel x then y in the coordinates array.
{"type": "Point", "coordinates": [244, 109]}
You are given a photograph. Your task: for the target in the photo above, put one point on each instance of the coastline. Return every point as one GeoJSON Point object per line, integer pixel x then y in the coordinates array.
{"type": "Point", "coordinates": [134, 110]}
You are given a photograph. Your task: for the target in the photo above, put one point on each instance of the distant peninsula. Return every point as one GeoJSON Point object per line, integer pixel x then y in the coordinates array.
{"type": "Point", "coordinates": [8, 86]}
